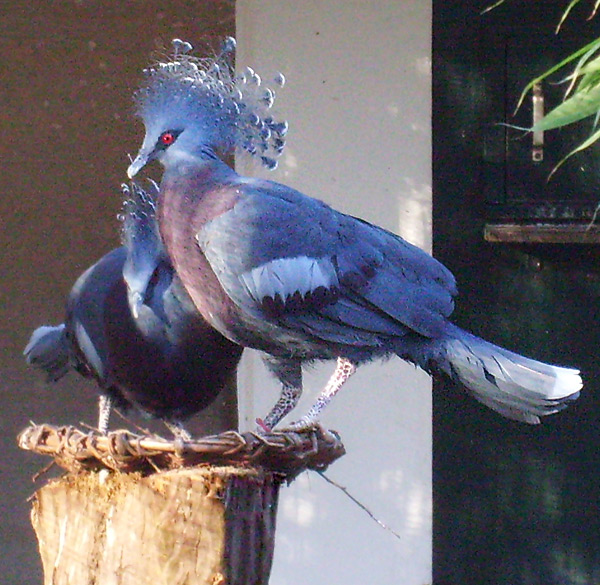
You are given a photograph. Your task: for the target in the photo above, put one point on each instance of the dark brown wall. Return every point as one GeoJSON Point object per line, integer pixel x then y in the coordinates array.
{"type": "Point", "coordinates": [68, 69]}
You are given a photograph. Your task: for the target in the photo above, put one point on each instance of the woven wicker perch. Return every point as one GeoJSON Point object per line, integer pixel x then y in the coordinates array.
{"type": "Point", "coordinates": [285, 453]}
{"type": "Point", "coordinates": [138, 509]}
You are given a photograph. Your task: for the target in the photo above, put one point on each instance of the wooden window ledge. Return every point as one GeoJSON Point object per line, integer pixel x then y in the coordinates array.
{"type": "Point", "coordinates": [540, 233]}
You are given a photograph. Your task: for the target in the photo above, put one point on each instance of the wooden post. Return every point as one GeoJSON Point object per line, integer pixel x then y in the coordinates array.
{"type": "Point", "coordinates": [121, 517]}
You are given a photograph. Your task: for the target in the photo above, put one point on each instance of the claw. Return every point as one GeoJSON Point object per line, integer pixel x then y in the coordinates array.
{"type": "Point", "coordinates": [304, 424]}
{"type": "Point", "coordinates": [262, 426]}
{"type": "Point", "coordinates": [179, 431]}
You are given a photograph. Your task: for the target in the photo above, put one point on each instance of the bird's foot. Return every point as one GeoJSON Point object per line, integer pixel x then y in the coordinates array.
{"type": "Point", "coordinates": [309, 425]}
{"type": "Point", "coordinates": [179, 431]}
{"type": "Point", "coordinates": [303, 424]}
{"type": "Point", "coordinates": [262, 427]}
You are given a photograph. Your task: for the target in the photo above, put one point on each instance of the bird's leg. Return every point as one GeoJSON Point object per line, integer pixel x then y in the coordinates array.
{"type": "Point", "coordinates": [105, 404]}
{"type": "Point", "coordinates": [178, 430]}
{"type": "Point", "coordinates": [287, 401]}
{"type": "Point", "coordinates": [289, 373]}
{"type": "Point", "coordinates": [343, 370]}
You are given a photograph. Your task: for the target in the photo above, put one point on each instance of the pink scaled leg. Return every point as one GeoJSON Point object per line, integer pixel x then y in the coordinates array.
{"type": "Point", "coordinates": [343, 370]}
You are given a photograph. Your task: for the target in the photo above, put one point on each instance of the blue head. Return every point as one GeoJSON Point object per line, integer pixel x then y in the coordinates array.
{"type": "Point", "coordinates": [194, 107]}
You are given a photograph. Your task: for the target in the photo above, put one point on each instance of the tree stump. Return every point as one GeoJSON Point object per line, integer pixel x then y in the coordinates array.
{"type": "Point", "coordinates": [142, 510]}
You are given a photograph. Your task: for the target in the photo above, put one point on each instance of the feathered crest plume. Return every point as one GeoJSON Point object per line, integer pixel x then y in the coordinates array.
{"type": "Point", "coordinates": [234, 109]}
{"type": "Point", "coordinates": [138, 217]}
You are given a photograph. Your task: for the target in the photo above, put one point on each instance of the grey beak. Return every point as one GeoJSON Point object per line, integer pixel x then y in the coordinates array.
{"type": "Point", "coordinates": [141, 160]}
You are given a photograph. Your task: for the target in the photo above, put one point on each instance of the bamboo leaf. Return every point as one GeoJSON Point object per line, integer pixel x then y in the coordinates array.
{"type": "Point", "coordinates": [588, 74]}
{"type": "Point", "coordinates": [589, 81]}
{"type": "Point", "coordinates": [579, 106]}
{"type": "Point", "coordinates": [581, 64]}
{"type": "Point", "coordinates": [585, 144]}
{"type": "Point", "coordinates": [566, 14]}
{"type": "Point", "coordinates": [576, 55]}
{"type": "Point", "coordinates": [591, 67]}
{"type": "Point", "coordinates": [492, 6]}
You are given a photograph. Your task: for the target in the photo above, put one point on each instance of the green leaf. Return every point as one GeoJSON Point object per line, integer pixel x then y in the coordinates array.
{"type": "Point", "coordinates": [591, 67]}
{"type": "Point", "coordinates": [585, 144]}
{"type": "Point", "coordinates": [579, 106]}
{"type": "Point", "coordinates": [492, 6]}
{"type": "Point", "coordinates": [566, 13]}
{"type": "Point", "coordinates": [595, 44]}
{"type": "Point", "coordinates": [579, 71]}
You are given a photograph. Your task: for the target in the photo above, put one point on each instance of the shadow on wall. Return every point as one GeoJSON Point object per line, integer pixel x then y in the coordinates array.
{"type": "Point", "coordinates": [67, 119]}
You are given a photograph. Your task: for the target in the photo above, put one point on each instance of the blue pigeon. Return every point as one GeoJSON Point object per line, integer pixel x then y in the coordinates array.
{"type": "Point", "coordinates": [131, 326]}
{"type": "Point", "coordinates": [280, 272]}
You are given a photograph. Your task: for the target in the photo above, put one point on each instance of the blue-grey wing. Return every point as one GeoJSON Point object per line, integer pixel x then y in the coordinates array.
{"type": "Point", "coordinates": [405, 282]}
{"type": "Point", "coordinates": [269, 247]}
{"type": "Point", "coordinates": [283, 256]}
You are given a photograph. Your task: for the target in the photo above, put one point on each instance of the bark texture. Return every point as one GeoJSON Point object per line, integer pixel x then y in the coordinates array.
{"type": "Point", "coordinates": [204, 525]}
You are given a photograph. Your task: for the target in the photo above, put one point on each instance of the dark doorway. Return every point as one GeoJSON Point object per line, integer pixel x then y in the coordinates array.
{"type": "Point", "coordinates": [513, 503]}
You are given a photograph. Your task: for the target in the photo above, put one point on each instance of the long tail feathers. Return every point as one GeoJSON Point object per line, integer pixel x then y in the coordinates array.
{"type": "Point", "coordinates": [48, 350]}
{"type": "Point", "coordinates": [514, 386]}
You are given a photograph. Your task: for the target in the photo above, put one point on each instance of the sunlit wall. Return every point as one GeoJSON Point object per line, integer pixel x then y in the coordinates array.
{"type": "Point", "coordinates": [358, 102]}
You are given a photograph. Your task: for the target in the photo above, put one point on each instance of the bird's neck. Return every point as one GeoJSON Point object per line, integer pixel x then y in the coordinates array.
{"type": "Point", "coordinates": [206, 167]}
{"type": "Point", "coordinates": [194, 193]}
{"type": "Point", "coordinates": [197, 178]}
{"type": "Point", "coordinates": [190, 197]}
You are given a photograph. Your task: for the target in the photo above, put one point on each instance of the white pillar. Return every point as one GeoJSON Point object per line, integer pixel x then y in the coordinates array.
{"type": "Point", "coordinates": [358, 100]}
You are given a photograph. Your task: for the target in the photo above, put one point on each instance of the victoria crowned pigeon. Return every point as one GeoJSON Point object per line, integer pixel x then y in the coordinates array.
{"type": "Point", "coordinates": [275, 270]}
{"type": "Point", "coordinates": [131, 326]}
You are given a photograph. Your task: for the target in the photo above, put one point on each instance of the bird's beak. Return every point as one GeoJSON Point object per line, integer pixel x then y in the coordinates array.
{"type": "Point", "coordinates": [141, 160]}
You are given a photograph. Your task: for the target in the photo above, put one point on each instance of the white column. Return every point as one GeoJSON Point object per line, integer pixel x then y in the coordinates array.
{"type": "Point", "coordinates": [358, 100]}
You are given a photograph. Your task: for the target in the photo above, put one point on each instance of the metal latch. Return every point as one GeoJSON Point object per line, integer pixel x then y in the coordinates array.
{"type": "Point", "coordinates": [537, 150]}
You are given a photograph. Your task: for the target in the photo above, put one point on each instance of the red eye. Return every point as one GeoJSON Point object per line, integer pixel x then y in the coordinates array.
{"type": "Point", "coordinates": [167, 138]}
